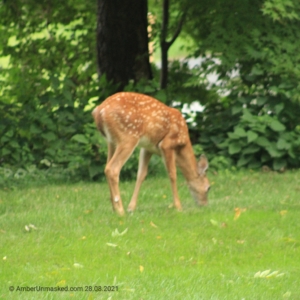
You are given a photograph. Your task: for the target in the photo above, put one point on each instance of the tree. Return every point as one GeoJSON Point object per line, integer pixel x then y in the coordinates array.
{"type": "Point", "coordinates": [50, 84]}
{"type": "Point", "coordinates": [166, 44]}
{"type": "Point", "coordinates": [256, 123]}
{"type": "Point", "coordinates": [259, 39]}
{"type": "Point", "coordinates": [122, 41]}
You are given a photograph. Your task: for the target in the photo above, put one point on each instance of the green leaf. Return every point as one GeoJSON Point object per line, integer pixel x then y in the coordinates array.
{"type": "Point", "coordinates": [251, 149]}
{"type": "Point", "coordinates": [14, 144]}
{"type": "Point", "coordinates": [161, 95]}
{"type": "Point", "coordinates": [234, 148]}
{"type": "Point", "coordinates": [55, 82]}
{"type": "Point", "coordinates": [265, 158]}
{"type": "Point", "coordinates": [94, 170]}
{"type": "Point", "coordinates": [9, 133]}
{"type": "Point", "coordinates": [216, 139]}
{"type": "Point", "coordinates": [48, 122]}
{"type": "Point", "coordinates": [262, 100]}
{"type": "Point", "coordinates": [255, 164]}
{"type": "Point", "coordinates": [240, 131]}
{"type": "Point", "coordinates": [256, 70]}
{"type": "Point", "coordinates": [233, 135]}
{"type": "Point", "coordinates": [68, 95]}
{"type": "Point", "coordinates": [5, 151]}
{"type": "Point", "coordinates": [244, 160]}
{"type": "Point", "coordinates": [282, 144]}
{"type": "Point", "coordinates": [252, 136]}
{"type": "Point", "coordinates": [51, 152]}
{"type": "Point", "coordinates": [274, 89]}
{"type": "Point", "coordinates": [279, 164]}
{"type": "Point", "coordinates": [277, 126]}
{"type": "Point", "coordinates": [223, 145]}
{"type": "Point", "coordinates": [292, 153]}
{"type": "Point", "coordinates": [247, 116]}
{"type": "Point", "coordinates": [35, 129]}
{"type": "Point", "coordinates": [274, 152]}
{"type": "Point", "coordinates": [278, 108]}
{"type": "Point", "coordinates": [49, 136]}
{"type": "Point", "coordinates": [80, 138]}
{"type": "Point", "coordinates": [262, 141]}
{"type": "Point", "coordinates": [236, 109]}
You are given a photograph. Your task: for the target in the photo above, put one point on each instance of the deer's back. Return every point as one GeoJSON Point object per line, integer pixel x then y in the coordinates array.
{"type": "Point", "coordinates": [127, 114]}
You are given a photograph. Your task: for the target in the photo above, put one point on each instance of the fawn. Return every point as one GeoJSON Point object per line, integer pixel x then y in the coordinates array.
{"type": "Point", "coordinates": [128, 120]}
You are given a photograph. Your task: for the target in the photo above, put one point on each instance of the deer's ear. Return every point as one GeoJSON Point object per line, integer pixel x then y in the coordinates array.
{"type": "Point", "coordinates": [202, 165]}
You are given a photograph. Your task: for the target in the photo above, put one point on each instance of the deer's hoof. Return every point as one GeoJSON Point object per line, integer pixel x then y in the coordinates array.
{"type": "Point", "coordinates": [130, 209]}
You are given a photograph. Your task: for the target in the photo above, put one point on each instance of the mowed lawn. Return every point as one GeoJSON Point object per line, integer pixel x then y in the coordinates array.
{"type": "Point", "coordinates": [64, 242]}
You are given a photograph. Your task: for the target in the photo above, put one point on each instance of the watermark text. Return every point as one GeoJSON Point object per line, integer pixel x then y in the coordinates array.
{"type": "Point", "coordinates": [86, 288]}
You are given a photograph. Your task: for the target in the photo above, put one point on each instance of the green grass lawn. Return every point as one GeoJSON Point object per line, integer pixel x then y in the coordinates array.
{"type": "Point", "coordinates": [67, 236]}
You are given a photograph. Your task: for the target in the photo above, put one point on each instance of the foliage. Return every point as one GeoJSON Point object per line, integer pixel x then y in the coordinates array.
{"type": "Point", "coordinates": [252, 131]}
{"type": "Point", "coordinates": [50, 85]}
{"type": "Point", "coordinates": [52, 133]}
{"type": "Point", "coordinates": [252, 50]}
{"type": "Point", "coordinates": [263, 140]}
{"type": "Point", "coordinates": [49, 88]}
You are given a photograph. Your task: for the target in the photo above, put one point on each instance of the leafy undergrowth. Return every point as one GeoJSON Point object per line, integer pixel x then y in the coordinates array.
{"type": "Point", "coordinates": [244, 245]}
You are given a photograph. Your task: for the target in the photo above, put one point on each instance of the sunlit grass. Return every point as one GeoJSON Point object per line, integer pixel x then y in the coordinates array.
{"type": "Point", "coordinates": [65, 235]}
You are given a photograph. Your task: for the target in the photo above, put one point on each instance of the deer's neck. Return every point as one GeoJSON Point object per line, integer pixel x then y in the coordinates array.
{"type": "Point", "coordinates": [187, 163]}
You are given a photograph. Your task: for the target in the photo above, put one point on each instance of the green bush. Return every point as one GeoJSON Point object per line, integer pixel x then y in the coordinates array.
{"type": "Point", "coordinates": [52, 131]}
{"type": "Point", "coordinates": [255, 125]}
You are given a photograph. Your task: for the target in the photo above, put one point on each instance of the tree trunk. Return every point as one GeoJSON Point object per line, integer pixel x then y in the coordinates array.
{"type": "Point", "coordinates": [164, 44]}
{"type": "Point", "coordinates": [164, 65]}
{"type": "Point", "coordinates": [122, 41]}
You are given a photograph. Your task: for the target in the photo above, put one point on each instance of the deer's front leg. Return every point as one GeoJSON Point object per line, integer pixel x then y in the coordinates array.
{"type": "Point", "coordinates": [112, 176]}
{"type": "Point", "coordinates": [169, 160]}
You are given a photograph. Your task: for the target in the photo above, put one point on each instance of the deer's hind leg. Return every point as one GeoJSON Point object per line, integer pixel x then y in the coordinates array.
{"type": "Point", "coordinates": [141, 175]}
{"type": "Point", "coordinates": [120, 155]}
{"type": "Point", "coordinates": [110, 152]}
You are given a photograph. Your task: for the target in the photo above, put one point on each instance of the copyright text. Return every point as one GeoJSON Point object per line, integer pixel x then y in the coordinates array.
{"type": "Point", "coordinates": [87, 288]}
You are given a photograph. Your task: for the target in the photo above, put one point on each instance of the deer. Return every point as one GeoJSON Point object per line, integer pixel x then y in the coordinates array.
{"type": "Point", "coordinates": [128, 120]}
